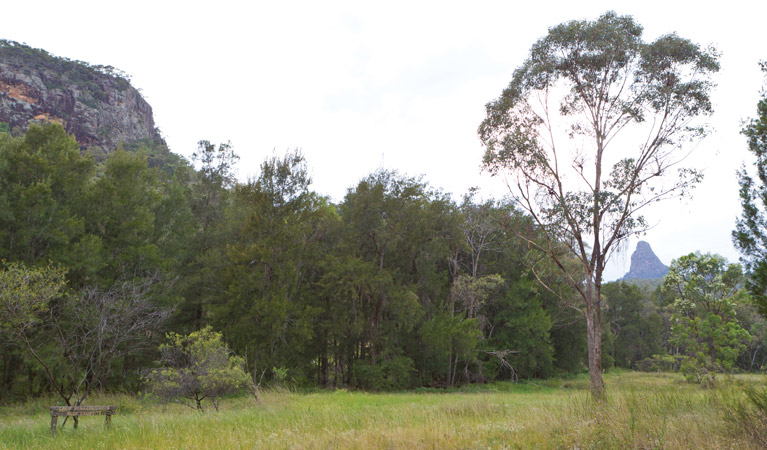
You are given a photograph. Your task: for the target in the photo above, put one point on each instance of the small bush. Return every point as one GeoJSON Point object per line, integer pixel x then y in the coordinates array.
{"type": "Point", "coordinates": [660, 363]}
{"type": "Point", "coordinates": [196, 367]}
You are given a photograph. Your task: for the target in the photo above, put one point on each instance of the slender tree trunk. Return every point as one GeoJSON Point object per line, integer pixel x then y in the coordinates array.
{"type": "Point", "coordinates": [594, 332]}
{"type": "Point", "coordinates": [455, 368]}
{"type": "Point", "coordinates": [377, 311]}
{"type": "Point", "coordinates": [466, 370]}
{"type": "Point", "coordinates": [336, 362]}
{"type": "Point", "coordinates": [373, 354]}
{"type": "Point", "coordinates": [324, 369]}
{"type": "Point", "coordinates": [594, 341]}
{"type": "Point", "coordinates": [198, 315]}
{"type": "Point", "coordinates": [753, 360]}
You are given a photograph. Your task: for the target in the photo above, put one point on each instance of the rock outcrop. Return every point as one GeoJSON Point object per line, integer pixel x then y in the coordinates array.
{"type": "Point", "coordinates": [644, 264]}
{"type": "Point", "coordinates": [97, 104]}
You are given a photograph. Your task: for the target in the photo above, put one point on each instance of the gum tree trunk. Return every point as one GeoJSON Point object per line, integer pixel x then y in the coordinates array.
{"type": "Point", "coordinates": [594, 341]}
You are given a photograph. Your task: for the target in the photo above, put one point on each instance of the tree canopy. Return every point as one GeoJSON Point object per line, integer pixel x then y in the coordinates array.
{"type": "Point", "coordinates": [750, 235]}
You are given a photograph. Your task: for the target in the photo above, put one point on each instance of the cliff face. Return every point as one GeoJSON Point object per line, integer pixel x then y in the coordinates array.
{"type": "Point", "coordinates": [96, 104]}
{"type": "Point", "coordinates": [644, 264]}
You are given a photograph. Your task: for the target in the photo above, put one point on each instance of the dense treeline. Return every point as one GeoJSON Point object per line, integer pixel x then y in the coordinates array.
{"type": "Point", "coordinates": [397, 286]}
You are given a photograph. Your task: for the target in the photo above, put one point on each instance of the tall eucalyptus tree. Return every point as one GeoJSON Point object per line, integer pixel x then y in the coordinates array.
{"type": "Point", "coordinates": [586, 131]}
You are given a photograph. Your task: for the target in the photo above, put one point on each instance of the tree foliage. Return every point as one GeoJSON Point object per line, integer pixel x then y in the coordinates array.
{"type": "Point", "coordinates": [26, 294]}
{"type": "Point", "coordinates": [705, 290]}
{"type": "Point", "coordinates": [272, 260]}
{"type": "Point", "coordinates": [634, 326]}
{"type": "Point", "coordinates": [43, 181]}
{"type": "Point", "coordinates": [76, 339]}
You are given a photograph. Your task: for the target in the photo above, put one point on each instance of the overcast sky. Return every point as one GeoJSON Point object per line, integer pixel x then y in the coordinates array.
{"type": "Point", "coordinates": [399, 85]}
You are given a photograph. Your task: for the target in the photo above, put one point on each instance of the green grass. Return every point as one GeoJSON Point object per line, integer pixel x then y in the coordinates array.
{"type": "Point", "coordinates": [642, 411]}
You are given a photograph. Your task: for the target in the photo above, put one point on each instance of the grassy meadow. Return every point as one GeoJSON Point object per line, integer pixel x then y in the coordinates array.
{"type": "Point", "coordinates": [643, 410]}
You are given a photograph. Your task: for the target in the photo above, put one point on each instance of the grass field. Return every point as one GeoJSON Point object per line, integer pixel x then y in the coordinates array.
{"type": "Point", "coordinates": [642, 411]}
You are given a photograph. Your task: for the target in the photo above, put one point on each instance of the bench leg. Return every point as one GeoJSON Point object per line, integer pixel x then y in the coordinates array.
{"type": "Point", "coordinates": [109, 420]}
{"type": "Point", "coordinates": [54, 420]}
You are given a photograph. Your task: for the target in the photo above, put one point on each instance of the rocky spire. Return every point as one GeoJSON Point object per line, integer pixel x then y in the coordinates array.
{"type": "Point", "coordinates": [644, 264]}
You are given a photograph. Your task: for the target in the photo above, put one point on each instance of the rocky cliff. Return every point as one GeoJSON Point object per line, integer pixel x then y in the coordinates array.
{"type": "Point", "coordinates": [96, 104]}
{"type": "Point", "coordinates": [644, 264]}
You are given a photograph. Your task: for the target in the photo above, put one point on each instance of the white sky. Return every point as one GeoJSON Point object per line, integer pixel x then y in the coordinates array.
{"type": "Point", "coordinates": [396, 84]}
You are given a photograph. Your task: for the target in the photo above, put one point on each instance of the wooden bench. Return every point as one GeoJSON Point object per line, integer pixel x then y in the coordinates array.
{"type": "Point", "coordinates": [77, 411]}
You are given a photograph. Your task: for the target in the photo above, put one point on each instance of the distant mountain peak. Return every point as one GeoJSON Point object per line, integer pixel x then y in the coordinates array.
{"type": "Point", "coordinates": [644, 264]}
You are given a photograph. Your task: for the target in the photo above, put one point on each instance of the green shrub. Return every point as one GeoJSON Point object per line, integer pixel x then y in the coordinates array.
{"type": "Point", "coordinates": [660, 363]}
{"type": "Point", "coordinates": [195, 367]}
{"type": "Point", "coordinates": [392, 374]}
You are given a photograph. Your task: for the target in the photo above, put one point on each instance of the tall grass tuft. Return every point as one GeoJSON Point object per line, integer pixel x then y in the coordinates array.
{"type": "Point", "coordinates": [749, 416]}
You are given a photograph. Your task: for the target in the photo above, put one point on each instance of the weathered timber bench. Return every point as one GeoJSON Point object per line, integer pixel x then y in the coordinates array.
{"type": "Point", "coordinates": [77, 411]}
